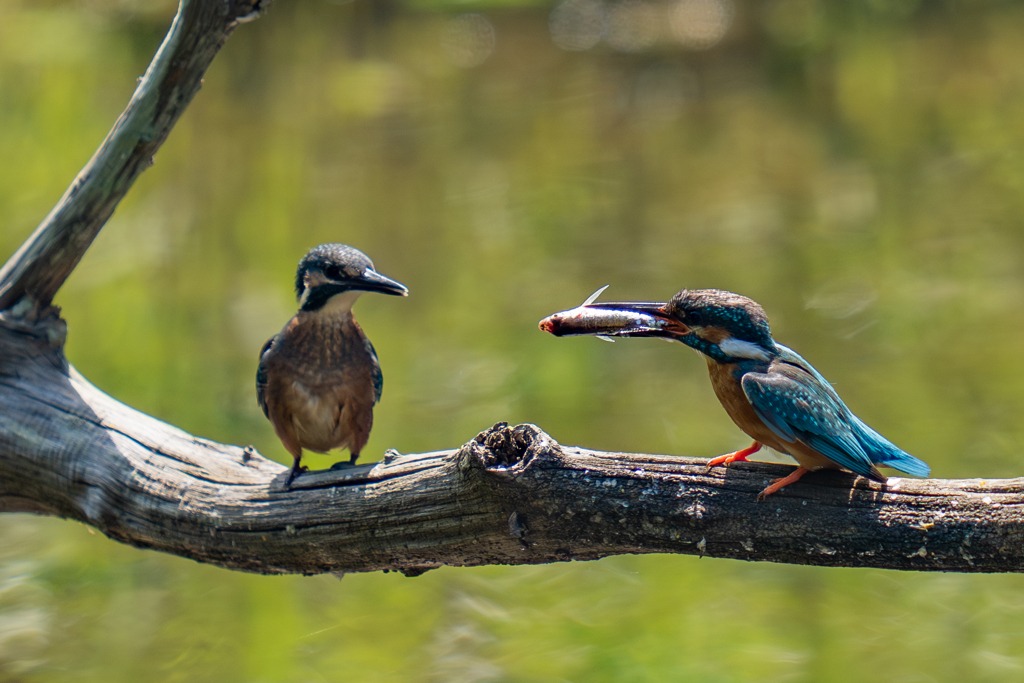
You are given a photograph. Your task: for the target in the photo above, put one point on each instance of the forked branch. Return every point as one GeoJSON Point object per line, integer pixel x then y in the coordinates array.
{"type": "Point", "coordinates": [509, 496]}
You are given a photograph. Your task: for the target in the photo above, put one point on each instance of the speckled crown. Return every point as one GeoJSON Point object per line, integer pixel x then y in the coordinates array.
{"type": "Point", "coordinates": [343, 260]}
{"type": "Point", "coordinates": [743, 317]}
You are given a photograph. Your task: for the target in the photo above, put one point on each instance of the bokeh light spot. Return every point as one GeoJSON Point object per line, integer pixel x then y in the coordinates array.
{"type": "Point", "coordinates": [577, 25]}
{"type": "Point", "coordinates": [634, 25]}
{"type": "Point", "coordinates": [700, 24]}
{"type": "Point", "coordinates": [468, 40]}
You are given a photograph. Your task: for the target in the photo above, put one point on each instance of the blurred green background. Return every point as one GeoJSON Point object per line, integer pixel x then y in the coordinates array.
{"type": "Point", "coordinates": [856, 167]}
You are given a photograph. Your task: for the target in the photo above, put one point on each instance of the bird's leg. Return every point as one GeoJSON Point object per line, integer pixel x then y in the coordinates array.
{"type": "Point", "coordinates": [738, 456]}
{"type": "Point", "coordinates": [343, 464]}
{"type": "Point", "coordinates": [783, 482]}
{"type": "Point", "coordinates": [295, 471]}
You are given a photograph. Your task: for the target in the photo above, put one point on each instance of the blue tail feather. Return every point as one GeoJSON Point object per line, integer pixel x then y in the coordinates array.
{"type": "Point", "coordinates": [884, 452]}
{"type": "Point", "coordinates": [878, 449]}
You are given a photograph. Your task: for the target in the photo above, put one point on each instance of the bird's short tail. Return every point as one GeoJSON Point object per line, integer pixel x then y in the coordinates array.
{"type": "Point", "coordinates": [883, 452]}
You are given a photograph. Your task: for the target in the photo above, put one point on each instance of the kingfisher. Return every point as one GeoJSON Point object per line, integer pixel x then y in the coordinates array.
{"type": "Point", "coordinates": [768, 390]}
{"type": "Point", "coordinates": [318, 378]}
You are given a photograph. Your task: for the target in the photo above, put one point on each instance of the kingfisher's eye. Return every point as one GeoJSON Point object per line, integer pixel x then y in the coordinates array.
{"type": "Point", "coordinates": [334, 273]}
{"type": "Point", "coordinates": [694, 317]}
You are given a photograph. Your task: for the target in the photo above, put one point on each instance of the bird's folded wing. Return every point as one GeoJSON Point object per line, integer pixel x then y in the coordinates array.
{"type": "Point", "coordinates": [261, 378]}
{"type": "Point", "coordinates": [794, 406]}
{"type": "Point", "coordinates": [378, 376]}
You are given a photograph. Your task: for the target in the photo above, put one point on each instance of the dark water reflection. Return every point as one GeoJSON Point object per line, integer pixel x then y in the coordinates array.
{"type": "Point", "coordinates": [855, 168]}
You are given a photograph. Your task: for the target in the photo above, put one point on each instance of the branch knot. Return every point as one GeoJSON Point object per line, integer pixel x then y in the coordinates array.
{"type": "Point", "coordinates": [43, 328]}
{"type": "Point", "coordinates": [506, 446]}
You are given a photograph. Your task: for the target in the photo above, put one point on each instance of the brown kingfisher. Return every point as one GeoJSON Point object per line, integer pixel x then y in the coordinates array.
{"type": "Point", "coordinates": [319, 378]}
{"type": "Point", "coordinates": [768, 390]}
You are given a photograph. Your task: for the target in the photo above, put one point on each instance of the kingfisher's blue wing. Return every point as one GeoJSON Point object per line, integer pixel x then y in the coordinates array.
{"type": "Point", "coordinates": [797, 407]}
{"type": "Point", "coordinates": [880, 450]}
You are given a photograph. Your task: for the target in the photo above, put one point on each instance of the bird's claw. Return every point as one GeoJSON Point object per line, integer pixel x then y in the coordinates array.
{"type": "Point", "coordinates": [738, 456]}
{"type": "Point", "coordinates": [345, 463]}
{"type": "Point", "coordinates": [295, 471]}
{"type": "Point", "coordinates": [722, 460]}
{"type": "Point", "coordinates": [770, 489]}
{"type": "Point", "coordinates": [782, 482]}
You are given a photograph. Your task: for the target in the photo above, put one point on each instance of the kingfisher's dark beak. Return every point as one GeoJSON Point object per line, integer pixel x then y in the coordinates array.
{"type": "Point", "coordinates": [372, 281]}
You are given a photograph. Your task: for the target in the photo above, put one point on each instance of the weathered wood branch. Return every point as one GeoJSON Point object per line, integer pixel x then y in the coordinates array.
{"type": "Point", "coordinates": [510, 496]}
{"type": "Point", "coordinates": [43, 263]}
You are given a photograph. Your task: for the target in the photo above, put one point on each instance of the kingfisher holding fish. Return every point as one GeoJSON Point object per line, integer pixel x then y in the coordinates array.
{"type": "Point", "coordinates": [768, 390]}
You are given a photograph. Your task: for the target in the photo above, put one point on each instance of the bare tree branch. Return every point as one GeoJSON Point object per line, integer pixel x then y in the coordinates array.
{"type": "Point", "coordinates": [41, 265]}
{"type": "Point", "coordinates": [510, 496]}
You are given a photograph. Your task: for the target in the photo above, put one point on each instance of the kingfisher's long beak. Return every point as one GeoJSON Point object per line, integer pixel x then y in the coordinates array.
{"type": "Point", "coordinates": [372, 281]}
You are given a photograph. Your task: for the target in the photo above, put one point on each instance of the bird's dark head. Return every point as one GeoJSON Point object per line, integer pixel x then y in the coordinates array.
{"type": "Point", "coordinates": [722, 325]}
{"type": "Point", "coordinates": [332, 269]}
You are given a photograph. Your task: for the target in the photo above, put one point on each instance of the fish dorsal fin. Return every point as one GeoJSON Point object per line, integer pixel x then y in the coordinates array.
{"type": "Point", "coordinates": [593, 297]}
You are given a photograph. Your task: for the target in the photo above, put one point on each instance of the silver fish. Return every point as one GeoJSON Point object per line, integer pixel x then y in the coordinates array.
{"type": "Point", "coordinates": [606, 320]}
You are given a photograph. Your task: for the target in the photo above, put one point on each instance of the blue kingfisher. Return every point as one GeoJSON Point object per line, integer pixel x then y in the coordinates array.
{"type": "Point", "coordinates": [768, 390]}
{"type": "Point", "coordinates": [318, 378]}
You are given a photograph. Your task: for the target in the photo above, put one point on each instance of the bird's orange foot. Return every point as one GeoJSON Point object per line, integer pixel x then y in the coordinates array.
{"type": "Point", "coordinates": [783, 482]}
{"type": "Point", "coordinates": [738, 456]}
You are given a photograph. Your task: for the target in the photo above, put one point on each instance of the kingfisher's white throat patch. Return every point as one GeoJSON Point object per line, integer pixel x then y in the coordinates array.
{"type": "Point", "coordinates": [341, 302]}
{"type": "Point", "coordinates": [739, 348]}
